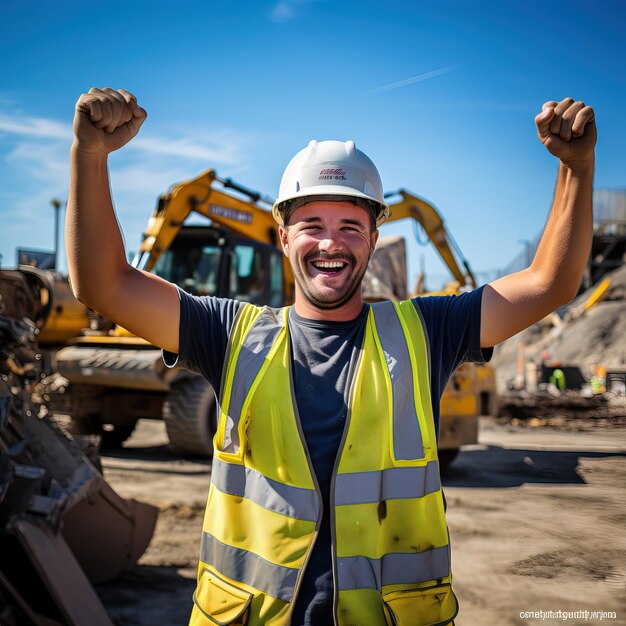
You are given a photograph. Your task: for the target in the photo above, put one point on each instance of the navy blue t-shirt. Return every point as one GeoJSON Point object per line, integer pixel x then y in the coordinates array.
{"type": "Point", "coordinates": [323, 353]}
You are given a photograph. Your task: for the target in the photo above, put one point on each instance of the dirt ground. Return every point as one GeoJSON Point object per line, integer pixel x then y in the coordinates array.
{"type": "Point", "coordinates": [537, 521]}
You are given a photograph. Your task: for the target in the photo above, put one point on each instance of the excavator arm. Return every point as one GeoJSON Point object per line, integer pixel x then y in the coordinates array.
{"type": "Point", "coordinates": [425, 214]}
{"type": "Point", "coordinates": [206, 194]}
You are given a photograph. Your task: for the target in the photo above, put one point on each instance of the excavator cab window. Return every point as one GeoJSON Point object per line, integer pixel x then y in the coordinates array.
{"type": "Point", "coordinates": [246, 274]}
{"type": "Point", "coordinates": [205, 261]}
{"type": "Point", "coordinates": [256, 274]}
{"type": "Point", "coordinates": [193, 262]}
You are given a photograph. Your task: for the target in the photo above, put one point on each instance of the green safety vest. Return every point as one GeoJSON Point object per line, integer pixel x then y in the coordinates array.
{"type": "Point", "coordinates": [390, 546]}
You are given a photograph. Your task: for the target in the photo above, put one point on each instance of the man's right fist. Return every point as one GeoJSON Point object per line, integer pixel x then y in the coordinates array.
{"type": "Point", "coordinates": [106, 119]}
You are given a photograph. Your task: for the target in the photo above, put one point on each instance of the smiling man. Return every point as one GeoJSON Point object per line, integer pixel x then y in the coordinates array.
{"type": "Point", "coordinates": [329, 252]}
{"type": "Point", "coordinates": [325, 504]}
{"type": "Point", "coordinates": [334, 212]}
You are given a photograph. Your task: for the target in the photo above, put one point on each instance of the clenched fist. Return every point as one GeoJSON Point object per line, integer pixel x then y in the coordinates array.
{"type": "Point", "coordinates": [106, 119]}
{"type": "Point", "coordinates": [568, 130]}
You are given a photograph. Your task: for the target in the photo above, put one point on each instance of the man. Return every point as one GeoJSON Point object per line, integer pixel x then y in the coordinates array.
{"type": "Point", "coordinates": [325, 503]}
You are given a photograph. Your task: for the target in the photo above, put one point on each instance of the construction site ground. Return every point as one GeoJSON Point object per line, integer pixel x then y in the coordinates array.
{"type": "Point", "coordinates": [536, 516]}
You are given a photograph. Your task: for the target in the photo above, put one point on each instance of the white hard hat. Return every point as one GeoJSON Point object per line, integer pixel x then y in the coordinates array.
{"type": "Point", "coordinates": [331, 170]}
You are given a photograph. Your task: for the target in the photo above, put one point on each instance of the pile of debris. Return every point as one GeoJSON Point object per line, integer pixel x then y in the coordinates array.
{"type": "Point", "coordinates": [62, 527]}
{"type": "Point", "coordinates": [572, 364]}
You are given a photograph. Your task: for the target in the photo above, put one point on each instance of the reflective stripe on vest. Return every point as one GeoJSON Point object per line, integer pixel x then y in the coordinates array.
{"type": "Point", "coordinates": [388, 484]}
{"type": "Point", "coordinates": [253, 353]}
{"type": "Point", "coordinates": [407, 439]}
{"type": "Point", "coordinates": [238, 480]}
{"type": "Point", "coordinates": [249, 568]}
{"type": "Point", "coordinates": [359, 572]}
{"type": "Point", "coordinates": [264, 508]}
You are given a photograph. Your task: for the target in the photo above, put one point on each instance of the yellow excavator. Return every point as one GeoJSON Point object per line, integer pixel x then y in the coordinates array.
{"type": "Point", "coordinates": [116, 378]}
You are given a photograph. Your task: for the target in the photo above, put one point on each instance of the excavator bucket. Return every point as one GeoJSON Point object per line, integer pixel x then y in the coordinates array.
{"type": "Point", "coordinates": [123, 527]}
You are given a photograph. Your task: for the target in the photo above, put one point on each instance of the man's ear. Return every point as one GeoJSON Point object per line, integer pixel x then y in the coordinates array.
{"type": "Point", "coordinates": [373, 239]}
{"type": "Point", "coordinates": [282, 234]}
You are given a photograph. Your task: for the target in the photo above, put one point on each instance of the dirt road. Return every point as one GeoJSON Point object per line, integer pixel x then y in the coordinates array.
{"type": "Point", "coordinates": [537, 521]}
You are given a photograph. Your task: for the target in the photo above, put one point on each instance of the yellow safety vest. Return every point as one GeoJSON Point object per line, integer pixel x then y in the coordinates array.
{"type": "Point", "coordinates": [390, 547]}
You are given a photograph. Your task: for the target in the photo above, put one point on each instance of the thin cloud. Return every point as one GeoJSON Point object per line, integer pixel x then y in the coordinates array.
{"type": "Point", "coordinates": [221, 147]}
{"type": "Point", "coordinates": [286, 10]}
{"type": "Point", "coordinates": [209, 150]}
{"type": "Point", "coordinates": [34, 127]}
{"type": "Point", "coordinates": [282, 12]}
{"type": "Point", "coordinates": [43, 161]}
{"type": "Point", "coordinates": [409, 81]}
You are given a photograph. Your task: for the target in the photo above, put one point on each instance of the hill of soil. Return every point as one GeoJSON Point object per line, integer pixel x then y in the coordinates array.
{"type": "Point", "coordinates": [573, 337]}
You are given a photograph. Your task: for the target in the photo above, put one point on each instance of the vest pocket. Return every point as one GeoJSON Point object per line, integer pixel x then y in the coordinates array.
{"type": "Point", "coordinates": [217, 601]}
{"type": "Point", "coordinates": [430, 606]}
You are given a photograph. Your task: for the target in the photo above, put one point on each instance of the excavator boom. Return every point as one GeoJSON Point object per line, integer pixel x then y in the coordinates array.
{"type": "Point", "coordinates": [206, 195]}
{"type": "Point", "coordinates": [425, 214]}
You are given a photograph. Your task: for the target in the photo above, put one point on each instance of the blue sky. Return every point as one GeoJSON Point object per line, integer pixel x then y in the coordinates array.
{"type": "Point", "coordinates": [441, 95]}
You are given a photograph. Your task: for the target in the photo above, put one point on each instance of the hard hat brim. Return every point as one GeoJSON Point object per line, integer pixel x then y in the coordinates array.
{"type": "Point", "coordinates": [329, 190]}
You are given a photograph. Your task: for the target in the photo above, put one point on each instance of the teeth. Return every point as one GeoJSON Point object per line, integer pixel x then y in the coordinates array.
{"type": "Point", "coordinates": [328, 264]}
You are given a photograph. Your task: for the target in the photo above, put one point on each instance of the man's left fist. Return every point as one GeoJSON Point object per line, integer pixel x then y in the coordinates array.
{"type": "Point", "coordinates": [568, 130]}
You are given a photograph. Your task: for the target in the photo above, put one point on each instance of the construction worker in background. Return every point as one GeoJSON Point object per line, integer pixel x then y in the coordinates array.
{"type": "Point", "coordinates": [557, 378]}
{"type": "Point", "coordinates": [325, 504]}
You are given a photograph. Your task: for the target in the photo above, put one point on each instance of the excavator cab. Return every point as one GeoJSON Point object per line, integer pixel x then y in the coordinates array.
{"type": "Point", "coordinates": [208, 261]}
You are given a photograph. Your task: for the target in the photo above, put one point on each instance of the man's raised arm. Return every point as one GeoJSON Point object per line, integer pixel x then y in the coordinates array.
{"type": "Point", "coordinates": [511, 303]}
{"type": "Point", "coordinates": [104, 121]}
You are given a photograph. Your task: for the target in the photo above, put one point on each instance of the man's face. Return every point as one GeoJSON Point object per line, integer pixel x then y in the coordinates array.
{"type": "Point", "coordinates": [329, 245]}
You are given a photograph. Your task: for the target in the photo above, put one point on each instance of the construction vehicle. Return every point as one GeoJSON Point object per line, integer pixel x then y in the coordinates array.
{"type": "Point", "coordinates": [117, 378]}
{"type": "Point", "coordinates": [62, 526]}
